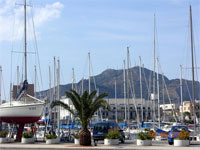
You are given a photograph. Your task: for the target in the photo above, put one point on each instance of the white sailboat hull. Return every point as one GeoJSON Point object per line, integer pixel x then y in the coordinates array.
{"type": "Point", "coordinates": [21, 113]}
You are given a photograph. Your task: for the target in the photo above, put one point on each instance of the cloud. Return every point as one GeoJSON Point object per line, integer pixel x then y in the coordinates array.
{"type": "Point", "coordinates": [12, 19]}
{"type": "Point", "coordinates": [48, 13]}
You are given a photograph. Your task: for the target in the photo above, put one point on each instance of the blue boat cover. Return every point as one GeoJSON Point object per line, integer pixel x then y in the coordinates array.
{"type": "Point", "coordinates": [25, 85]}
{"type": "Point", "coordinates": [160, 131]}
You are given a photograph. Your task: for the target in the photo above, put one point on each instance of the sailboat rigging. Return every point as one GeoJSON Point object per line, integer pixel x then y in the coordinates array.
{"type": "Point", "coordinates": [193, 84]}
{"type": "Point", "coordinates": [25, 108]}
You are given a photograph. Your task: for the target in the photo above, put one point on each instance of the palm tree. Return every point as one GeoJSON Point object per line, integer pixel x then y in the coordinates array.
{"type": "Point", "coordinates": [85, 107]}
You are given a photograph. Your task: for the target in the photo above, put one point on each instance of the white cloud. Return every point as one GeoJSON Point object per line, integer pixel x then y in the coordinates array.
{"type": "Point", "coordinates": [47, 13]}
{"type": "Point", "coordinates": [11, 18]}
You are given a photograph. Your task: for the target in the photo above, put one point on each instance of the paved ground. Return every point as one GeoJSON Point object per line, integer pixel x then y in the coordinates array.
{"type": "Point", "coordinates": [129, 145]}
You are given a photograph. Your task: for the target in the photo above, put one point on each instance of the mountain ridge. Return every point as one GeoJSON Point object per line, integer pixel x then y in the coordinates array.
{"type": "Point", "coordinates": [105, 82]}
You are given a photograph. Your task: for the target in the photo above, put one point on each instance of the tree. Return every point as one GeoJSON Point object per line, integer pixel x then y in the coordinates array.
{"type": "Point", "coordinates": [85, 106]}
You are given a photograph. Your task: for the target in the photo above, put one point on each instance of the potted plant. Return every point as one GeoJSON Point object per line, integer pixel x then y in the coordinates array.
{"type": "Point", "coordinates": [182, 139]}
{"type": "Point", "coordinates": [145, 138]}
{"type": "Point", "coordinates": [27, 138]}
{"type": "Point", "coordinates": [52, 139]}
{"type": "Point", "coordinates": [85, 106]}
{"type": "Point", "coordinates": [112, 138]}
{"type": "Point", "coordinates": [3, 136]}
{"type": "Point", "coordinates": [76, 139]}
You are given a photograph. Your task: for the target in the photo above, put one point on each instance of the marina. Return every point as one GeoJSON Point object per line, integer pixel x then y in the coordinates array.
{"type": "Point", "coordinates": [133, 107]}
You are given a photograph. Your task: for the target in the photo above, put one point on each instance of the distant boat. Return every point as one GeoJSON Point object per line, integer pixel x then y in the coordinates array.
{"type": "Point", "coordinates": [24, 108]}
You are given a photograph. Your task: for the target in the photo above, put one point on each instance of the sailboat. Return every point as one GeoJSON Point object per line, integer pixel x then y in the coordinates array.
{"type": "Point", "coordinates": [24, 108]}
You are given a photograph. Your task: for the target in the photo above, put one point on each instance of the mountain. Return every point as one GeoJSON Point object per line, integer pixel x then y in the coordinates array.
{"type": "Point", "coordinates": [105, 82]}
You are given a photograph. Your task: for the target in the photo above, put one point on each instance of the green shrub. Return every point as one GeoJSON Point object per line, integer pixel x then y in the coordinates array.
{"type": "Point", "coordinates": [183, 135]}
{"type": "Point", "coordinates": [51, 136]}
{"type": "Point", "coordinates": [3, 133]}
{"type": "Point", "coordinates": [76, 136]}
{"type": "Point", "coordinates": [27, 135]}
{"type": "Point", "coordinates": [113, 135]}
{"type": "Point", "coordinates": [146, 135]}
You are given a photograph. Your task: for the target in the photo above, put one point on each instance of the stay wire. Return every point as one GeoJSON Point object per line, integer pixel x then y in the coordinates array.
{"type": "Point", "coordinates": [36, 47]}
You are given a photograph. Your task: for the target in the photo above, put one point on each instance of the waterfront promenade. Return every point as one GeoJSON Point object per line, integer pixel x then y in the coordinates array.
{"type": "Point", "coordinates": [129, 145]}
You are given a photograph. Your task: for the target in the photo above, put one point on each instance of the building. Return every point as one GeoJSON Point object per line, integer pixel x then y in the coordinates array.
{"type": "Point", "coordinates": [167, 112]}
{"type": "Point", "coordinates": [65, 114]}
{"type": "Point", "coordinates": [188, 107]}
{"type": "Point", "coordinates": [135, 107]}
{"type": "Point", "coordinates": [118, 105]}
{"type": "Point", "coordinates": [166, 107]}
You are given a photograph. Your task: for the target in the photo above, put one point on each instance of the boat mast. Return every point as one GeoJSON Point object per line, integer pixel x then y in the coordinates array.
{"type": "Point", "coordinates": [72, 78]}
{"type": "Point", "coordinates": [154, 58]}
{"type": "Point", "coordinates": [54, 91]}
{"type": "Point", "coordinates": [58, 94]}
{"type": "Point", "coordinates": [82, 85]}
{"type": "Point", "coordinates": [50, 95]}
{"type": "Point", "coordinates": [25, 50]}
{"type": "Point", "coordinates": [17, 78]}
{"type": "Point", "coordinates": [35, 80]}
{"type": "Point", "coordinates": [142, 117]}
{"type": "Point", "coordinates": [124, 72]}
{"type": "Point", "coordinates": [25, 43]}
{"type": "Point", "coordinates": [158, 94]}
{"type": "Point", "coordinates": [193, 84]}
{"type": "Point", "coordinates": [163, 88]}
{"type": "Point", "coordinates": [89, 72]}
{"type": "Point", "coordinates": [99, 108]}
{"type": "Point", "coordinates": [128, 84]}
{"type": "Point", "coordinates": [116, 101]}
{"type": "Point", "coordinates": [181, 88]}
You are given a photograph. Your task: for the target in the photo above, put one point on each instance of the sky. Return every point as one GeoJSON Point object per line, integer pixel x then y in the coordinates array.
{"type": "Point", "coordinates": [69, 29]}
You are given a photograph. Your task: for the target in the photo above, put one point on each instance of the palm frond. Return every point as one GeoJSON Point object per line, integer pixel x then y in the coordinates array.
{"type": "Point", "coordinates": [74, 99]}
{"type": "Point", "coordinates": [98, 104]}
{"type": "Point", "coordinates": [91, 97]}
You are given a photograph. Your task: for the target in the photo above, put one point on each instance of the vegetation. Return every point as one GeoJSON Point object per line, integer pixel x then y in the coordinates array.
{"type": "Point", "coordinates": [146, 135]}
{"type": "Point", "coordinates": [76, 136]}
{"type": "Point", "coordinates": [113, 135]}
{"type": "Point", "coordinates": [27, 135]}
{"type": "Point", "coordinates": [183, 135]}
{"type": "Point", "coordinates": [3, 133]}
{"type": "Point", "coordinates": [85, 106]}
{"type": "Point", "coordinates": [51, 136]}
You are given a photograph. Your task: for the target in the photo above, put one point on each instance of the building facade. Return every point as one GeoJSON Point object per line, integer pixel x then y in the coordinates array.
{"type": "Point", "coordinates": [119, 108]}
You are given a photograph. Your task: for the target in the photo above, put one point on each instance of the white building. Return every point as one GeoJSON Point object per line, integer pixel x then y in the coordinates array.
{"type": "Point", "coordinates": [167, 106]}
{"type": "Point", "coordinates": [65, 114]}
{"type": "Point", "coordinates": [135, 107]}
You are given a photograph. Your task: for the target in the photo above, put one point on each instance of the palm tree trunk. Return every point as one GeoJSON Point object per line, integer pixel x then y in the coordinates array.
{"type": "Point", "coordinates": [85, 137]}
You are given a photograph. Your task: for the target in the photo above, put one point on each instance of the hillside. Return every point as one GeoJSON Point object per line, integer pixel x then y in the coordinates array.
{"type": "Point", "coordinates": [105, 82]}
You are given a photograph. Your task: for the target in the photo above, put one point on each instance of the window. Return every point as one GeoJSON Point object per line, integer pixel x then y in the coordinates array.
{"type": "Point", "coordinates": [101, 127]}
